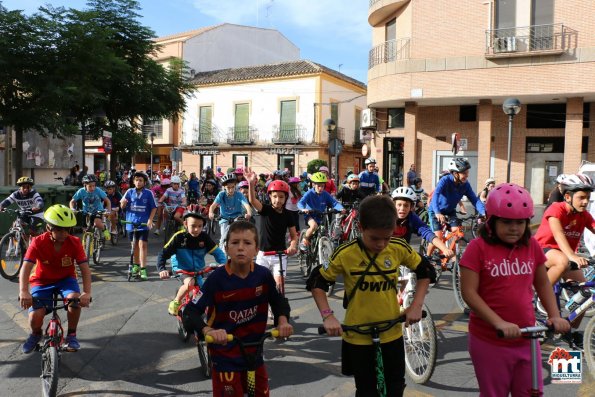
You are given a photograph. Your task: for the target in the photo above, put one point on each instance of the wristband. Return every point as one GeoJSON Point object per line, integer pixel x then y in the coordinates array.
{"type": "Point", "coordinates": [325, 313]}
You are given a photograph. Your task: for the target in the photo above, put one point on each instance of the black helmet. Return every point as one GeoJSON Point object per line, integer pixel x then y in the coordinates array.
{"type": "Point", "coordinates": [89, 178]}
{"type": "Point", "coordinates": [142, 175]}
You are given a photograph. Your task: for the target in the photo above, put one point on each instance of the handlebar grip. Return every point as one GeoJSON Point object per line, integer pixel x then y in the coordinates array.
{"type": "Point", "coordinates": [275, 333]}
{"type": "Point", "coordinates": [321, 330]}
{"type": "Point", "coordinates": [209, 338]}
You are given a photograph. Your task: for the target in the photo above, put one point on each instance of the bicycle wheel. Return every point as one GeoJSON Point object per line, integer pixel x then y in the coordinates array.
{"type": "Point", "coordinates": [182, 332]}
{"type": "Point", "coordinates": [325, 250]}
{"type": "Point", "coordinates": [88, 244]}
{"type": "Point", "coordinates": [567, 294]}
{"type": "Point", "coordinates": [420, 348]}
{"type": "Point", "coordinates": [96, 247]}
{"type": "Point", "coordinates": [204, 357]}
{"type": "Point", "coordinates": [355, 231]}
{"type": "Point", "coordinates": [589, 344]}
{"type": "Point", "coordinates": [12, 251]}
{"type": "Point", "coordinates": [49, 371]}
{"type": "Point", "coordinates": [170, 228]}
{"type": "Point", "coordinates": [456, 286]}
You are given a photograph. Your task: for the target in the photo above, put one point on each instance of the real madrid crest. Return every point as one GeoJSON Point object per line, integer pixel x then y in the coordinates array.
{"type": "Point", "coordinates": [387, 263]}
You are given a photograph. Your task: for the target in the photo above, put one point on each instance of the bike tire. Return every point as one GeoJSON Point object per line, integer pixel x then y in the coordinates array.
{"type": "Point", "coordinates": [50, 364]}
{"type": "Point", "coordinates": [114, 238]}
{"type": "Point", "coordinates": [10, 266]}
{"type": "Point", "coordinates": [87, 245]}
{"type": "Point", "coordinates": [203, 357]}
{"type": "Point", "coordinates": [589, 344]}
{"type": "Point", "coordinates": [355, 231]}
{"type": "Point", "coordinates": [325, 250]}
{"type": "Point", "coordinates": [96, 248]}
{"type": "Point", "coordinates": [566, 295]}
{"type": "Point", "coordinates": [423, 248]}
{"type": "Point", "coordinates": [421, 345]}
{"type": "Point", "coordinates": [456, 283]}
{"type": "Point", "coordinates": [182, 332]}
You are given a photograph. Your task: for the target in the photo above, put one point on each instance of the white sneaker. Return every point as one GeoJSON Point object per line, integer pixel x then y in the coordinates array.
{"type": "Point", "coordinates": [156, 232]}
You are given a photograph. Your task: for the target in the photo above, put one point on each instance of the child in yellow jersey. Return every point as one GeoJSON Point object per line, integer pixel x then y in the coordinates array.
{"type": "Point", "coordinates": [375, 258]}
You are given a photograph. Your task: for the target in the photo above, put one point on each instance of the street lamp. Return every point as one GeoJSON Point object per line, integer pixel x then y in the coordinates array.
{"type": "Point", "coordinates": [330, 126]}
{"type": "Point", "coordinates": [152, 136]}
{"type": "Point", "coordinates": [511, 107]}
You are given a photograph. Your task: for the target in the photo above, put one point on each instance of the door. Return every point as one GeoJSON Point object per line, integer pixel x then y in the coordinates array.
{"type": "Point", "coordinates": [287, 162]}
{"type": "Point", "coordinates": [552, 170]}
{"type": "Point", "coordinates": [392, 171]}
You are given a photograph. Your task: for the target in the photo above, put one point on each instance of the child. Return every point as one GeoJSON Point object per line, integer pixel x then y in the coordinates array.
{"type": "Point", "coordinates": [329, 187]}
{"type": "Point", "coordinates": [277, 220]}
{"type": "Point", "coordinates": [351, 192]}
{"type": "Point", "coordinates": [114, 197]}
{"type": "Point", "coordinates": [26, 198]}
{"type": "Point", "coordinates": [140, 206]}
{"type": "Point", "coordinates": [93, 201]}
{"type": "Point", "coordinates": [489, 185]}
{"type": "Point", "coordinates": [316, 199]}
{"type": "Point", "coordinates": [499, 271]}
{"type": "Point", "coordinates": [238, 296]}
{"type": "Point", "coordinates": [158, 189]}
{"type": "Point", "coordinates": [243, 187]}
{"type": "Point", "coordinates": [187, 250]}
{"type": "Point", "coordinates": [381, 256]}
{"type": "Point", "coordinates": [369, 180]}
{"type": "Point", "coordinates": [175, 196]}
{"type": "Point", "coordinates": [408, 222]}
{"type": "Point", "coordinates": [295, 194]}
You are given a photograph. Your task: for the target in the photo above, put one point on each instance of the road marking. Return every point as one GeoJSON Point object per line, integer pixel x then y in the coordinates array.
{"type": "Point", "coordinates": [15, 314]}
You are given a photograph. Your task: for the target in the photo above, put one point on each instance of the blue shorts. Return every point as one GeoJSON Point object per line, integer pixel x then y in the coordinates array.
{"type": "Point", "coordinates": [140, 235]}
{"type": "Point", "coordinates": [437, 226]}
{"type": "Point", "coordinates": [317, 219]}
{"type": "Point", "coordinates": [65, 287]}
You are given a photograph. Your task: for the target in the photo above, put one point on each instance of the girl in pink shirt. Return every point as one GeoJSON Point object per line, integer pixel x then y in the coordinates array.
{"type": "Point", "coordinates": [498, 273]}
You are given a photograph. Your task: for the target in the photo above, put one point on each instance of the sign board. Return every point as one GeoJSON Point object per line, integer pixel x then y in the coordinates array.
{"type": "Point", "coordinates": [208, 151]}
{"type": "Point", "coordinates": [175, 155]}
{"type": "Point", "coordinates": [364, 149]}
{"type": "Point", "coordinates": [283, 150]}
{"type": "Point", "coordinates": [335, 147]}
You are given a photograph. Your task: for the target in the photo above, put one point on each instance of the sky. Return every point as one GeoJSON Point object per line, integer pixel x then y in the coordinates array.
{"type": "Point", "coordinates": [334, 33]}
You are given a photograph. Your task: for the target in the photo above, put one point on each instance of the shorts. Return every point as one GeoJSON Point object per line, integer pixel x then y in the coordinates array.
{"type": "Point", "coordinates": [359, 361]}
{"type": "Point", "coordinates": [437, 226]}
{"type": "Point", "coordinates": [65, 287]}
{"type": "Point", "coordinates": [234, 384]}
{"type": "Point", "coordinates": [142, 235]}
{"type": "Point", "coordinates": [307, 217]}
{"type": "Point", "coordinates": [180, 210]}
{"type": "Point", "coordinates": [271, 262]}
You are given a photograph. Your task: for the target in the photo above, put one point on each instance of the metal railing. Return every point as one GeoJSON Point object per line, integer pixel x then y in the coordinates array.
{"type": "Point", "coordinates": [526, 39]}
{"type": "Point", "coordinates": [372, 2]}
{"type": "Point", "coordinates": [205, 134]}
{"type": "Point", "coordinates": [389, 51]}
{"type": "Point", "coordinates": [338, 133]}
{"type": "Point", "coordinates": [241, 135]}
{"type": "Point", "coordinates": [288, 134]}
{"type": "Point", "coordinates": [357, 140]}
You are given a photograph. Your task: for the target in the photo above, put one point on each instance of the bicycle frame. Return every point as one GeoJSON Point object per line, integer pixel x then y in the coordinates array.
{"type": "Point", "coordinates": [280, 287]}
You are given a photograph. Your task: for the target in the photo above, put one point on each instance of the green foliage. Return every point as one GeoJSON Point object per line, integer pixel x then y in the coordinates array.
{"type": "Point", "coordinates": [315, 164]}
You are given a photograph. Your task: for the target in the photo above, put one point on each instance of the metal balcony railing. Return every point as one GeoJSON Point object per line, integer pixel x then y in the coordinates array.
{"type": "Point", "coordinates": [338, 133]}
{"type": "Point", "coordinates": [357, 140]}
{"type": "Point", "coordinates": [241, 135]}
{"type": "Point", "coordinates": [524, 40]}
{"type": "Point", "coordinates": [389, 51]}
{"type": "Point", "coordinates": [372, 2]}
{"type": "Point", "coordinates": [204, 135]}
{"type": "Point", "coordinates": [288, 134]}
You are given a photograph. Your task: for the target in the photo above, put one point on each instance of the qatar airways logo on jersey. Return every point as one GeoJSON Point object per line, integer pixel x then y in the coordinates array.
{"type": "Point", "coordinates": [242, 316]}
{"type": "Point", "coordinates": [510, 268]}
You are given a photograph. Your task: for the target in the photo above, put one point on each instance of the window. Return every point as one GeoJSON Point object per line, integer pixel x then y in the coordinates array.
{"type": "Point", "coordinates": [153, 126]}
{"type": "Point", "coordinates": [286, 162]}
{"type": "Point", "coordinates": [206, 160]}
{"type": "Point", "coordinates": [357, 126]}
{"type": "Point", "coordinates": [240, 160]}
{"type": "Point", "coordinates": [241, 122]}
{"type": "Point", "coordinates": [467, 113]}
{"type": "Point", "coordinates": [391, 39]}
{"type": "Point", "coordinates": [335, 112]}
{"type": "Point", "coordinates": [586, 115]}
{"type": "Point", "coordinates": [396, 117]}
{"type": "Point", "coordinates": [505, 14]}
{"type": "Point", "coordinates": [287, 128]}
{"type": "Point", "coordinates": [546, 115]}
{"type": "Point", "coordinates": [205, 131]}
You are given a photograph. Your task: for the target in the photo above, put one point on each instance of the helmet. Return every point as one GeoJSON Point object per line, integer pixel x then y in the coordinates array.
{"type": "Point", "coordinates": [417, 180]}
{"type": "Point", "coordinates": [243, 184]}
{"type": "Point", "coordinates": [576, 182]}
{"type": "Point", "coordinates": [279, 173]}
{"type": "Point", "coordinates": [165, 181]}
{"type": "Point", "coordinates": [239, 171]}
{"type": "Point", "coordinates": [225, 179]}
{"type": "Point", "coordinates": [109, 183]}
{"type": "Point", "coordinates": [193, 211]}
{"type": "Point", "coordinates": [353, 177]}
{"type": "Point", "coordinates": [561, 177]}
{"type": "Point", "coordinates": [404, 192]}
{"type": "Point", "coordinates": [489, 181]}
{"type": "Point", "coordinates": [25, 179]}
{"type": "Point", "coordinates": [141, 175]}
{"type": "Point", "coordinates": [60, 215]}
{"type": "Point", "coordinates": [458, 164]}
{"type": "Point", "coordinates": [323, 168]}
{"type": "Point", "coordinates": [89, 178]}
{"type": "Point", "coordinates": [508, 200]}
{"type": "Point", "coordinates": [318, 177]}
{"type": "Point", "coordinates": [294, 179]}
{"type": "Point", "coordinates": [167, 171]}
{"type": "Point", "coordinates": [157, 181]}
{"type": "Point", "coordinates": [304, 174]}
{"type": "Point", "coordinates": [176, 179]}
{"type": "Point", "coordinates": [211, 181]}
{"type": "Point", "coordinates": [278, 186]}
{"type": "Point", "coordinates": [370, 160]}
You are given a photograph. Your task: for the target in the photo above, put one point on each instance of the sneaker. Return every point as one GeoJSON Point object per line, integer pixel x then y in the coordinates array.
{"type": "Point", "coordinates": [173, 307]}
{"type": "Point", "coordinates": [156, 232]}
{"type": "Point", "coordinates": [573, 339]}
{"type": "Point", "coordinates": [304, 245]}
{"type": "Point", "coordinates": [31, 343]}
{"type": "Point", "coordinates": [107, 235]}
{"type": "Point", "coordinates": [143, 274]}
{"type": "Point", "coordinates": [71, 343]}
{"type": "Point", "coordinates": [135, 270]}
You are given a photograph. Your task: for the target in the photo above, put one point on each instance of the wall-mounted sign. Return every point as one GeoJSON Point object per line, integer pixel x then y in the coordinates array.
{"type": "Point", "coordinates": [364, 150]}
{"type": "Point", "coordinates": [283, 150]}
{"type": "Point", "coordinates": [206, 151]}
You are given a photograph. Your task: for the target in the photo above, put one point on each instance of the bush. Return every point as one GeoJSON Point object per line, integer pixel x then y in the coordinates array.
{"type": "Point", "coordinates": [314, 165]}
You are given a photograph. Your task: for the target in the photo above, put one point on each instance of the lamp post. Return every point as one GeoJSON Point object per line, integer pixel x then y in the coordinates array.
{"type": "Point", "coordinates": [511, 107]}
{"type": "Point", "coordinates": [330, 126]}
{"type": "Point", "coordinates": [152, 136]}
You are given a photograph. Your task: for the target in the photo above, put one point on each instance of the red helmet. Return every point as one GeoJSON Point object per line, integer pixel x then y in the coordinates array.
{"type": "Point", "coordinates": [278, 186]}
{"type": "Point", "coordinates": [193, 208]}
{"type": "Point", "coordinates": [511, 201]}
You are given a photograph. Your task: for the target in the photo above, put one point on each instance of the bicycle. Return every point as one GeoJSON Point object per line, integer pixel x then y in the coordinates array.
{"type": "Point", "coordinates": [280, 287]}
{"type": "Point", "coordinates": [374, 329]}
{"type": "Point", "coordinates": [250, 358]}
{"type": "Point", "coordinates": [348, 228]}
{"type": "Point", "coordinates": [51, 346]}
{"type": "Point", "coordinates": [321, 247]}
{"type": "Point", "coordinates": [171, 225]}
{"type": "Point", "coordinates": [135, 229]}
{"type": "Point", "coordinates": [108, 225]}
{"type": "Point", "coordinates": [14, 244]}
{"type": "Point", "coordinates": [92, 239]}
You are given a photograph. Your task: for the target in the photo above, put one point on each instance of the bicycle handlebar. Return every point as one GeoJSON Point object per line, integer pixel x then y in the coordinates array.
{"type": "Point", "coordinates": [134, 225]}
{"type": "Point", "coordinates": [316, 212]}
{"type": "Point", "coordinates": [74, 302]}
{"type": "Point", "coordinates": [198, 273]}
{"type": "Point", "coordinates": [528, 332]}
{"type": "Point", "coordinates": [268, 253]}
{"type": "Point", "coordinates": [575, 266]}
{"type": "Point", "coordinates": [230, 337]}
{"type": "Point", "coordinates": [369, 328]}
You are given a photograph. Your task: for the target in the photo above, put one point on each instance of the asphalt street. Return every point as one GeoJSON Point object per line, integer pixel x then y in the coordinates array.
{"type": "Point", "coordinates": [130, 346]}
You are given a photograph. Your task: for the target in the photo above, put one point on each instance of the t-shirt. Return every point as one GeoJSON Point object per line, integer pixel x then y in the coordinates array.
{"type": "Point", "coordinates": [274, 227]}
{"type": "Point", "coordinates": [174, 197]}
{"type": "Point", "coordinates": [51, 266]}
{"type": "Point", "coordinates": [376, 299]}
{"type": "Point", "coordinates": [92, 201]}
{"type": "Point", "coordinates": [139, 207]}
{"type": "Point", "coordinates": [25, 202]}
{"type": "Point", "coordinates": [115, 200]}
{"type": "Point", "coordinates": [231, 206]}
{"type": "Point", "coordinates": [158, 191]}
{"type": "Point", "coordinates": [506, 277]}
{"type": "Point", "coordinates": [573, 224]}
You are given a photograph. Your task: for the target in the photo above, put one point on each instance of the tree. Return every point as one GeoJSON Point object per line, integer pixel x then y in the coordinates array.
{"type": "Point", "coordinates": [315, 164]}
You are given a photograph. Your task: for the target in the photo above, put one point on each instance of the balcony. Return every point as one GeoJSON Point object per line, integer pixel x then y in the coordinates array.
{"type": "Point", "coordinates": [379, 10]}
{"type": "Point", "coordinates": [389, 51]}
{"type": "Point", "coordinates": [531, 40]}
{"type": "Point", "coordinates": [205, 135]}
{"type": "Point", "coordinates": [241, 135]}
{"type": "Point", "coordinates": [338, 133]}
{"type": "Point", "coordinates": [357, 139]}
{"type": "Point", "coordinates": [288, 134]}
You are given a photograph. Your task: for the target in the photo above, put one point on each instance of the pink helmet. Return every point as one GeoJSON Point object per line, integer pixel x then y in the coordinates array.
{"type": "Point", "coordinates": [243, 184]}
{"type": "Point", "coordinates": [508, 200]}
{"type": "Point", "coordinates": [323, 168]}
{"type": "Point", "coordinates": [239, 171]}
{"type": "Point", "coordinates": [165, 181]}
{"type": "Point", "coordinates": [294, 179]}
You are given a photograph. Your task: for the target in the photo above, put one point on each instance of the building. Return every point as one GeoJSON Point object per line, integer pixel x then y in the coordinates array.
{"type": "Point", "coordinates": [270, 117]}
{"type": "Point", "coordinates": [440, 67]}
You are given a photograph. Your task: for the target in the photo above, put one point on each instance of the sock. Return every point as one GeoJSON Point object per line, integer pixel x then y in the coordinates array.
{"type": "Point", "coordinates": [71, 332]}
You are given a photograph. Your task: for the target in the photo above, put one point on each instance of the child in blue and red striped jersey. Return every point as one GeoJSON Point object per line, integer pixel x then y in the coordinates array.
{"type": "Point", "coordinates": [237, 297]}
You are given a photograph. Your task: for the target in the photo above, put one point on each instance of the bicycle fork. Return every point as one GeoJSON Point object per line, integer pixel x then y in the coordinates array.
{"type": "Point", "coordinates": [380, 382]}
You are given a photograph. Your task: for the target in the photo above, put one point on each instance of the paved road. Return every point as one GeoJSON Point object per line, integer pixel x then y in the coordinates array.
{"type": "Point", "coordinates": [130, 346]}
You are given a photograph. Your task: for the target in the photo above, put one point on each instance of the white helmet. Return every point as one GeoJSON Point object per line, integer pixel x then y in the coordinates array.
{"type": "Point", "coordinates": [370, 160]}
{"type": "Point", "coordinates": [176, 179]}
{"type": "Point", "coordinates": [404, 192]}
{"type": "Point", "coordinates": [576, 182]}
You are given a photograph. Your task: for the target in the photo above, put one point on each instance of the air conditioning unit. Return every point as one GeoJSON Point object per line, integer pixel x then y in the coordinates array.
{"type": "Point", "coordinates": [369, 118]}
{"type": "Point", "coordinates": [505, 44]}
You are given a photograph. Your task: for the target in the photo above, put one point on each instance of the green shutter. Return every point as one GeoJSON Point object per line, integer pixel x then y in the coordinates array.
{"type": "Point", "coordinates": [358, 125]}
{"type": "Point", "coordinates": [287, 130]}
{"type": "Point", "coordinates": [241, 122]}
{"type": "Point", "coordinates": [335, 114]}
{"type": "Point", "coordinates": [206, 125]}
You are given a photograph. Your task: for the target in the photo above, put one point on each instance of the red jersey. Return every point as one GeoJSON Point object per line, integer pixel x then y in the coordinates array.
{"type": "Point", "coordinates": [330, 186]}
{"type": "Point", "coordinates": [51, 266]}
{"type": "Point", "coordinates": [573, 224]}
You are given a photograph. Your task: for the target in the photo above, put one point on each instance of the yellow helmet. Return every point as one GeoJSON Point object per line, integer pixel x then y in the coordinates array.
{"type": "Point", "coordinates": [60, 215]}
{"type": "Point", "coordinates": [25, 179]}
{"type": "Point", "coordinates": [318, 177]}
